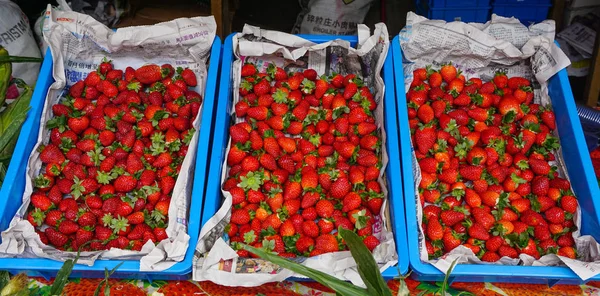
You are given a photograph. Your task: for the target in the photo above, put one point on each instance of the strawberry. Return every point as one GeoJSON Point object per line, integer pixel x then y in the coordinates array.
{"type": "Point", "coordinates": [435, 230]}
{"type": "Point", "coordinates": [448, 73]}
{"type": "Point", "coordinates": [471, 173]}
{"type": "Point", "coordinates": [569, 203]}
{"type": "Point", "coordinates": [51, 154]}
{"type": "Point", "coordinates": [425, 113]}
{"type": "Point", "coordinates": [539, 167]}
{"type": "Point", "coordinates": [425, 138]}
{"type": "Point", "coordinates": [340, 188]}
{"type": "Point", "coordinates": [478, 231]}
{"type": "Point", "coordinates": [555, 215]}
{"type": "Point", "coordinates": [351, 201]}
{"type": "Point", "coordinates": [371, 242]}
{"type": "Point", "coordinates": [189, 77]}
{"type": "Point", "coordinates": [68, 227]}
{"type": "Point", "coordinates": [324, 208]}
{"type": "Point", "coordinates": [240, 216]}
{"type": "Point", "coordinates": [41, 202]}
{"type": "Point", "coordinates": [451, 217]}
{"type": "Point", "coordinates": [326, 243]}
{"type": "Point", "coordinates": [55, 237]}
{"type": "Point", "coordinates": [125, 183]}
{"type": "Point", "coordinates": [149, 74]}
{"type": "Point", "coordinates": [490, 257]}
{"type": "Point", "coordinates": [548, 118]}
{"type": "Point", "coordinates": [248, 69]}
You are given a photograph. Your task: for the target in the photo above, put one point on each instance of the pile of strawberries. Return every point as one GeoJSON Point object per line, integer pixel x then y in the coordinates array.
{"type": "Point", "coordinates": [117, 141]}
{"type": "Point", "coordinates": [485, 152]}
{"type": "Point", "coordinates": [304, 162]}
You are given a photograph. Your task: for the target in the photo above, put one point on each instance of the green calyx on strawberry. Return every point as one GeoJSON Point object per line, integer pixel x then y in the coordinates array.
{"type": "Point", "coordinates": [252, 181]}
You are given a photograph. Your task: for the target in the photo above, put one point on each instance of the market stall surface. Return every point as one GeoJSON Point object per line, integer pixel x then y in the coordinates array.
{"type": "Point", "coordinates": [166, 288]}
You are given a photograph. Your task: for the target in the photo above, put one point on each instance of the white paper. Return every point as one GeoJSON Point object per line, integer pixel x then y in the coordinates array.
{"type": "Point", "coordinates": [581, 37]}
{"type": "Point", "coordinates": [78, 44]}
{"type": "Point", "coordinates": [260, 46]}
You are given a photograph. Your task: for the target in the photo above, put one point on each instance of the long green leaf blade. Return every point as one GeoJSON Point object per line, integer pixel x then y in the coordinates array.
{"type": "Point", "coordinates": [339, 286]}
{"type": "Point", "coordinates": [367, 267]}
{"type": "Point", "coordinates": [2, 173]}
{"type": "Point", "coordinates": [62, 277]}
{"type": "Point", "coordinates": [19, 59]}
{"type": "Point", "coordinates": [18, 108]}
{"type": "Point", "coordinates": [4, 275]}
{"type": "Point", "coordinates": [9, 134]}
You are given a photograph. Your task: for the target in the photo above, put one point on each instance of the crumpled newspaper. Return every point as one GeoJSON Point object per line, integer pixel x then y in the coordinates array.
{"type": "Point", "coordinates": [214, 259]}
{"type": "Point", "coordinates": [78, 44]}
{"type": "Point", "coordinates": [479, 50]}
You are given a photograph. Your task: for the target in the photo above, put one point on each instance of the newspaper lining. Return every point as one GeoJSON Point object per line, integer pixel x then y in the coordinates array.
{"type": "Point", "coordinates": [482, 49]}
{"type": "Point", "coordinates": [214, 260]}
{"type": "Point", "coordinates": [78, 44]}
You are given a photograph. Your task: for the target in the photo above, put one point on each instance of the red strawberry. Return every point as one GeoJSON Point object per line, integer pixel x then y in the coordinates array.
{"type": "Point", "coordinates": [40, 201]}
{"type": "Point", "coordinates": [548, 118]}
{"type": "Point", "coordinates": [55, 237]}
{"type": "Point", "coordinates": [448, 72]}
{"type": "Point", "coordinates": [539, 167]}
{"type": "Point", "coordinates": [149, 74]}
{"type": "Point", "coordinates": [248, 69]}
{"type": "Point", "coordinates": [51, 154]}
{"type": "Point", "coordinates": [340, 188]}
{"type": "Point", "coordinates": [425, 138]}
{"type": "Point", "coordinates": [569, 203]}
{"type": "Point", "coordinates": [189, 77]}
{"type": "Point", "coordinates": [477, 231]}
{"type": "Point", "coordinates": [371, 242]}
{"type": "Point", "coordinates": [125, 183]}
{"type": "Point", "coordinates": [435, 230]}
{"type": "Point", "coordinates": [555, 215]}
{"type": "Point", "coordinates": [326, 243]}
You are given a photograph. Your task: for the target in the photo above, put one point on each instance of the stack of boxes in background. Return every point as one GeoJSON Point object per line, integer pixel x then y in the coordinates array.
{"type": "Point", "coordinates": [527, 11]}
{"type": "Point", "coordinates": [455, 10]}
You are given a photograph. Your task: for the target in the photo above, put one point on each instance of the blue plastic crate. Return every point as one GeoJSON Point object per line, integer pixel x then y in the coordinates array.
{"type": "Point", "coordinates": [457, 3]}
{"type": "Point", "coordinates": [14, 186]}
{"type": "Point", "coordinates": [526, 13]}
{"type": "Point", "coordinates": [450, 14]}
{"type": "Point", "coordinates": [580, 170]}
{"type": "Point", "coordinates": [523, 2]}
{"type": "Point", "coordinates": [213, 198]}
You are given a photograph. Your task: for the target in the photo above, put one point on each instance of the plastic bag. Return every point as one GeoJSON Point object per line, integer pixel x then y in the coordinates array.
{"type": "Point", "coordinates": [339, 17]}
{"type": "Point", "coordinates": [17, 38]}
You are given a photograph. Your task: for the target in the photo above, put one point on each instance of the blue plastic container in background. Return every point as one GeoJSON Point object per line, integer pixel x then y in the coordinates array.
{"type": "Point", "coordinates": [527, 13]}
{"type": "Point", "coordinates": [456, 3]}
{"type": "Point", "coordinates": [14, 186]}
{"type": "Point", "coordinates": [213, 198]}
{"type": "Point", "coordinates": [580, 170]}
{"type": "Point", "coordinates": [523, 2]}
{"type": "Point", "coordinates": [479, 14]}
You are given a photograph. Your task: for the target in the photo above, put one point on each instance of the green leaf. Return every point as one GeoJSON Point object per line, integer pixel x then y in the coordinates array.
{"type": "Point", "coordinates": [339, 286]}
{"type": "Point", "coordinates": [13, 117]}
{"type": "Point", "coordinates": [4, 278]}
{"type": "Point", "coordinates": [367, 267]}
{"type": "Point", "coordinates": [19, 59]}
{"type": "Point", "coordinates": [63, 276]}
